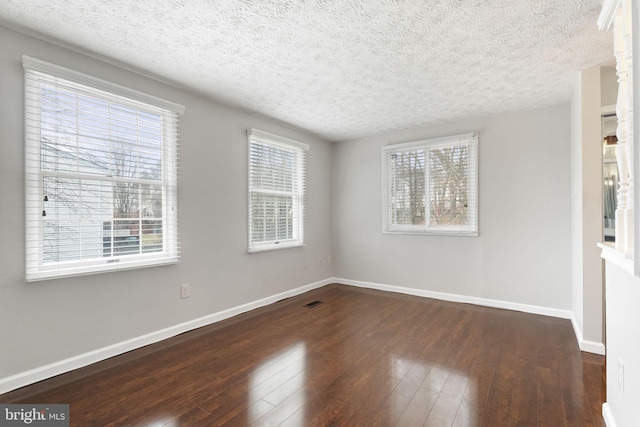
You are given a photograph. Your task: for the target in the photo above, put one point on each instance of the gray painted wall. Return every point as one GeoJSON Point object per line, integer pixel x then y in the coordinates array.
{"type": "Point", "coordinates": [623, 346]}
{"type": "Point", "coordinates": [608, 86]}
{"type": "Point", "coordinates": [45, 322]}
{"type": "Point", "coordinates": [523, 252]}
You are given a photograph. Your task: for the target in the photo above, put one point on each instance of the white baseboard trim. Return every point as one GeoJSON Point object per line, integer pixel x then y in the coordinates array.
{"type": "Point", "coordinates": [586, 345]}
{"type": "Point", "coordinates": [533, 309]}
{"type": "Point", "coordinates": [608, 415]}
{"type": "Point", "coordinates": [593, 347]}
{"type": "Point", "coordinates": [38, 374]}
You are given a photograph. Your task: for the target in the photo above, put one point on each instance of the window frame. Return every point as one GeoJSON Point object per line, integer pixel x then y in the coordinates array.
{"type": "Point", "coordinates": [40, 74]}
{"type": "Point", "coordinates": [298, 193]}
{"type": "Point", "coordinates": [471, 228]}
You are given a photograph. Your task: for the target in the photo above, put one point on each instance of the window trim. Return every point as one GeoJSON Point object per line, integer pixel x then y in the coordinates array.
{"type": "Point", "coordinates": [388, 227]}
{"type": "Point", "coordinates": [35, 268]}
{"type": "Point", "coordinates": [299, 229]}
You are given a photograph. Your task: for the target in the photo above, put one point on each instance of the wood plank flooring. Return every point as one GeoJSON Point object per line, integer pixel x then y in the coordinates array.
{"type": "Point", "coordinates": [361, 358]}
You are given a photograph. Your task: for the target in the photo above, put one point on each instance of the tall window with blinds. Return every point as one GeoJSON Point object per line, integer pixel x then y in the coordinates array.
{"type": "Point", "coordinates": [277, 170]}
{"type": "Point", "coordinates": [431, 186]}
{"type": "Point", "coordinates": [101, 175]}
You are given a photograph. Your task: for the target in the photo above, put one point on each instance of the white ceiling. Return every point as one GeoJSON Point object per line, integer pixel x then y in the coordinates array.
{"type": "Point", "coordinates": [342, 68]}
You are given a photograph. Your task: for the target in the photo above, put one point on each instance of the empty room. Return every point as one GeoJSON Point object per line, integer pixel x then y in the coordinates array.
{"type": "Point", "coordinates": [319, 213]}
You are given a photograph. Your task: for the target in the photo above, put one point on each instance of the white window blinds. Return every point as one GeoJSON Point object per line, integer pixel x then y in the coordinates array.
{"type": "Point", "coordinates": [431, 186]}
{"type": "Point", "coordinates": [100, 175]}
{"type": "Point", "coordinates": [277, 171]}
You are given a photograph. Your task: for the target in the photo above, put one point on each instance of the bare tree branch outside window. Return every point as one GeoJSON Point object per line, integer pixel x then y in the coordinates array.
{"type": "Point", "coordinates": [448, 177]}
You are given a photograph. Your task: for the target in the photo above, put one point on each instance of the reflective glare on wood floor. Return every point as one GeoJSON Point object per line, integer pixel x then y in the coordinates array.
{"type": "Point", "coordinates": [361, 358]}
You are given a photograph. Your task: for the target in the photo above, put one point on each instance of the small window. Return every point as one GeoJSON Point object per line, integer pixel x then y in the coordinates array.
{"type": "Point", "coordinates": [100, 175]}
{"type": "Point", "coordinates": [431, 186]}
{"type": "Point", "coordinates": [277, 169]}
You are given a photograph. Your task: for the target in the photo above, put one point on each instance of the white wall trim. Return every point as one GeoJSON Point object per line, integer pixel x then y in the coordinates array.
{"type": "Point", "coordinates": [608, 415]}
{"type": "Point", "coordinates": [608, 109]}
{"type": "Point", "coordinates": [608, 12]}
{"type": "Point", "coordinates": [77, 77]}
{"type": "Point", "coordinates": [38, 374]}
{"type": "Point", "coordinates": [588, 346]}
{"type": "Point", "coordinates": [533, 309]}
{"type": "Point", "coordinates": [617, 257]}
{"type": "Point", "coordinates": [592, 347]}
{"type": "Point", "coordinates": [585, 345]}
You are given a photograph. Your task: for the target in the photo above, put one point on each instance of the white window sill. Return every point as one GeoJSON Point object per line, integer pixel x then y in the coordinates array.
{"type": "Point", "coordinates": [616, 257]}
{"type": "Point", "coordinates": [69, 270]}
{"type": "Point", "coordinates": [273, 247]}
{"type": "Point", "coordinates": [441, 232]}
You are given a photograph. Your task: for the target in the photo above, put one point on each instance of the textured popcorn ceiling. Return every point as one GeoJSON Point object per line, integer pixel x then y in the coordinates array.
{"type": "Point", "coordinates": [342, 68]}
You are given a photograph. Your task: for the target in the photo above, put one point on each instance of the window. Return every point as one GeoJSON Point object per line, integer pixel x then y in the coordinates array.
{"type": "Point", "coordinates": [276, 191]}
{"type": "Point", "coordinates": [100, 175]}
{"type": "Point", "coordinates": [431, 186]}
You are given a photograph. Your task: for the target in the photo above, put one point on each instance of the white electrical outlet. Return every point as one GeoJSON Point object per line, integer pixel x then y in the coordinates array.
{"type": "Point", "coordinates": [185, 291]}
{"type": "Point", "coordinates": [329, 259]}
{"type": "Point", "coordinates": [621, 374]}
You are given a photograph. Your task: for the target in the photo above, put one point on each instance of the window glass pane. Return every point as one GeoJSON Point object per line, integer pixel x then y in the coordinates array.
{"type": "Point", "coordinates": [449, 185]}
{"type": "Point", "coordinates": [151, 201]}
{"type": "Point", "coordinates": [407, 187]}
{"type": "Point", "coordinates": [90, 135]}
{"type": "Point", "coordinates": [126, 198]}
{"type": "Point", "coordinates": [74, 212]}
{"type": "Point", "coordinates": [107, 239]}
{"type": "Point", "coordinates": [78, 137]}
{"type": "Point", "coordinates": [151, 235]}
{"type": "Point", "coordinates": [123, 159]}
{"type": "Point", "coordinates": [273, 167]}
{"type": "Point", "coordinates": [92, 118]}
{"type": "Point", "coordinates": [58, 128]}
{"type": "Point", "coordinates": [91, 155]}
{"type": "Point", "coordinates": [284, 206]}
{"type": "Point", "coordinates": [126, 237]}
{"type": "Point", "coordinates": [271, 218]}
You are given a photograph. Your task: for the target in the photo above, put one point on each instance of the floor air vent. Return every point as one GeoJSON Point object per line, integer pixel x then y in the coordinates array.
{"type": "Point", "coordinates": [313, 304]}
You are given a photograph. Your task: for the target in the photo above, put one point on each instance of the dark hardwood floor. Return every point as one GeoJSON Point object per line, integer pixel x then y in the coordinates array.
{"type": "Point", "coordinates": [361, 358]}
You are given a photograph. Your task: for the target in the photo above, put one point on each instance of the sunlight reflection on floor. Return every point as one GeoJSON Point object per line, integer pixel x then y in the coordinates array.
{"type": "Point", "coordinates": [282, 377]}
